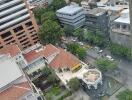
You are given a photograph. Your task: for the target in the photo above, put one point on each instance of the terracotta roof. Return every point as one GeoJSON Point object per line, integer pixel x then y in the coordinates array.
{"type": "Point", "coordinates": [49, 50]}
{"type": "Point", "coordinates": [32, 55]}
{"type": "Point", "coordinates": [43, 52]}
{"type": "Point", "coordinates": [12, 49]}
{"type": "Point", "coordinates": [64, 59]}
{"type": "Point", "coordinates": [15, 92]}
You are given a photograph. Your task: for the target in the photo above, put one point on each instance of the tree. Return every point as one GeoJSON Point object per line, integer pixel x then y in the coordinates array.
{"type": "Point", "coordinates": [74, 84]}
{"type": "Point", "coordinates": [52, 79]}
{"type": "Point", "coordinates": [120, 50]}
{"type": "Point", "coordinates": [95, 38]}
{"type": "Point", "coordinates": [78, 33]}
{"type": "Point", "coordinates": [125, 95]}
{"type": "Point", "coordinates": [81, 52]}
{"type": "Point", "coordinates": [57, 4]}
{"type": "Point", "coordinates": [38, 12]}
{"type": "Point", "coordinates": [73, 48]}
{"type": "Point", "coordinates": [50, 32]}
{"type": "Point", "coordinates": [105, 65]}
{"type": "Point", "coordinates": [49, 15]}
{"type": "Point", "coordinates": [68, 30]}
{"type": "Point", "coordinates": [46, 71]}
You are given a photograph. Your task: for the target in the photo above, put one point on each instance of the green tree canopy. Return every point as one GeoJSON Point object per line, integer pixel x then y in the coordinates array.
{"type": "Point", "coordinates": [120, 50]}
{"type": "Point", "coordinates": [49, 15]}
{"type": "Point", "coordinates": [125, 95]}
{"type": "Point", "coordinates": [68, 30]}
{"type": "Point", "coordinates": [57, 4]}
{"type": "Point", "coordinates": [38, 12]}
{"type": "Point", "coordinates": [50, 32]}
{"type": "Point", "coordinates": [46, 71]}
{"type": "Point", "coordinates": [74, 84]}
{"type": "Point", "coordinates": [81, 52]}
{"type": "Point", "coordinates": [79, 33]}
{"type": "Point", "coordinates": [52, 79]}
{"type": "Point", "coordinates": [105, 65]}
{"type": "Point", "coordinates": [75, 49]}
{"type": "Point", "coordinates": [94, 38]}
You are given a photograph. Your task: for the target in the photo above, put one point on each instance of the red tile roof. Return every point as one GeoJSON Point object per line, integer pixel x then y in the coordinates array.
{"type": "Point", "coordinates": [64, 59]}
{"type": "Point", "coordinates": [44, 52]}
{"type": "Point", "coordinates": [49, 50]}
{"type": "Point", "coordinates": [15, 92]}
{"type": "Point", "coordinates": [12, 49]}
{"type": "Point", "coordinates": [32, 55]}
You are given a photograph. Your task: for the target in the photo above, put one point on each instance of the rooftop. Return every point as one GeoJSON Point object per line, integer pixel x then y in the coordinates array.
{"type": "Point", "coordinates": [124, 18]}
{"type": "Point", "coordinates": [9, 70]}
{"type": "Point", "coordinates": [12, 49]}
{"type": "Point", "coordinates": [70, 9]}
{"type": "Point", "coordinates": [43, 51]}
{"type": "Point", "coordinates": [96, 11]}
{"type": "Point", "coordinates": [64, 59]}
{"type": "Point", "coordinates": [15, 92]}
{"type": "Point", "coordinates": [91, 76]}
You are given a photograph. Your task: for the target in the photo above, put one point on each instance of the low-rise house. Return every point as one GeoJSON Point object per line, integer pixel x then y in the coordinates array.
{"type": "Point", "coordinates": [71, 15]}
{"type": "Point", "coordinates": [65, 60]}
{"type": "Point", "coordinates": [14, 85]}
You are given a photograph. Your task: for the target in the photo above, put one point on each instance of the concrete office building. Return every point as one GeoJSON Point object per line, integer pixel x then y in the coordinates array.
{"type": "Point", "coordinates": [120, 32]}
{"type": "Point", "coordinates": [71, 15]}
{"type": "Point", "coordinates": [97, 19]}
{"type": "Point", "coordinates": [17, 24]}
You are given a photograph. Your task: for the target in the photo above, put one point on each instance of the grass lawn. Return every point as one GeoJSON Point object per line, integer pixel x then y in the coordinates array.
{"type": "Point", "coordinates": [55, 91]}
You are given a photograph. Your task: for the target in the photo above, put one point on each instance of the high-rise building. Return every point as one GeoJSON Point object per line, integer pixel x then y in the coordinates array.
{"type": "Point", "coordinates": [17, 24]}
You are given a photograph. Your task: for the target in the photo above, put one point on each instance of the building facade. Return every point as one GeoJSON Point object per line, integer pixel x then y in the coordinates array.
{"type": "Point", "coordinates": [39, 3]}
{"type": "Point", "coordinates": [97, 19]}
{"type": "Point", "coordinates": [120, 32]}
{"type": "Point", "coordinates": [71, 15]}
{"type": "Point", "coordinates": [17, 24]}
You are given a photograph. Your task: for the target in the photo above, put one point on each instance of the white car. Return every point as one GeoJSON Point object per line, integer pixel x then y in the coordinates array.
{"type": "Point", "coordinates": [100, 51]}
{"type": "Point", "coordinates": [109, 57]}
{"type": "Point", "coordinates": [80, 43]}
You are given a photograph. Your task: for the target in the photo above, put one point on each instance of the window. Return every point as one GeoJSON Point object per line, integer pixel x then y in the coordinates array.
{"type": "Point", "coordinates": [118, 26]}
{"type": "Point", "coordinates": [18, 29]}
{"type": "Point", "coordinates": [29, 24]}
{"type": "Point", "coordinates": [4, 35]}
{"type": "Point", "coordinates": [124, 27]}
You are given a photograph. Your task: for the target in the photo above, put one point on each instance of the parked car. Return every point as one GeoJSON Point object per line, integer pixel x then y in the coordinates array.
{"type": "Point", "coordinates": [80, 43]}
{"type": "Point", "coordinates": [109, 57]}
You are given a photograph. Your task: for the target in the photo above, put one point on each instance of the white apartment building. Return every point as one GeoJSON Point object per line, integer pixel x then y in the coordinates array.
{"type": "Point", "coordinates": [120, 32]}
{"type": "Point", "coordinates": [13, 83]}
{"type": "Point", "coordinates": [71, 15]}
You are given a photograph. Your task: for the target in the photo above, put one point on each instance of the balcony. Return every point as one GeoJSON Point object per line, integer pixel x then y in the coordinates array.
{"type": "Point", "coordinates": [9, 4]}
{"type": "Point", "coordinates": [6, 19]}
{"type": "Point", "coordinates": [121, 31]}
{"type": "Point", "coordinates": [14, 21]}
{"type": "Point", "coordinates": [11, 9]}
